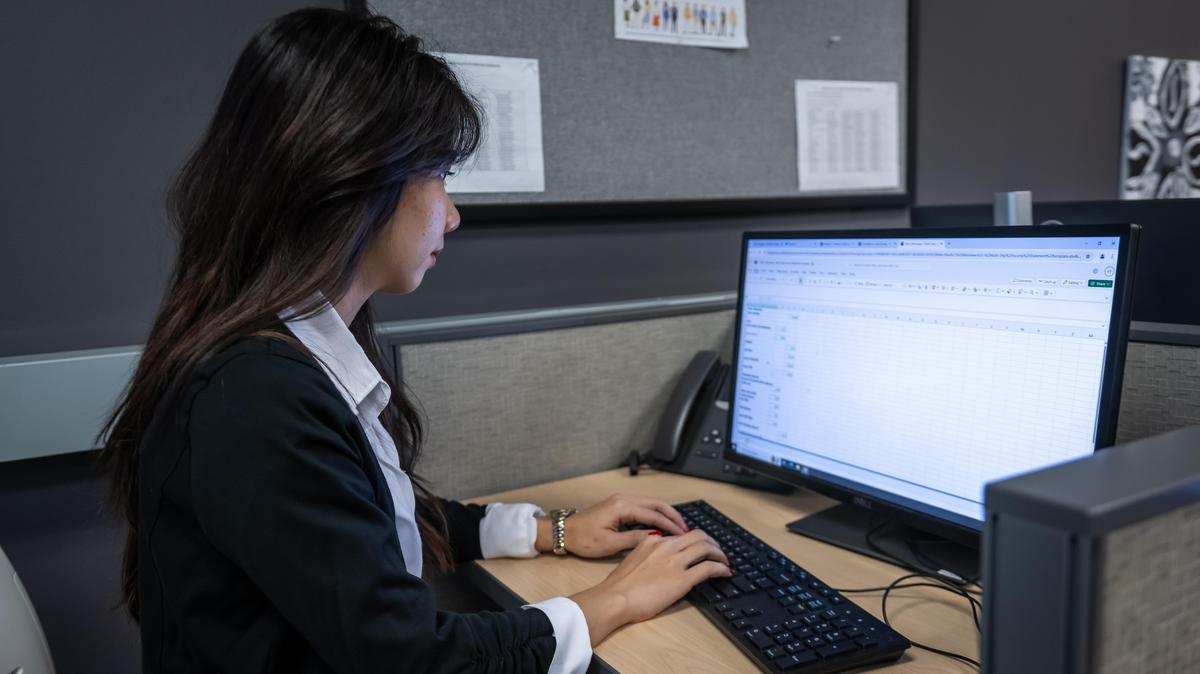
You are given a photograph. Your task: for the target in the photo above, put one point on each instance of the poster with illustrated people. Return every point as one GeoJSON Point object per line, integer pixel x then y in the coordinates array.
{"type": "Point", "coordinates": [717, 23]}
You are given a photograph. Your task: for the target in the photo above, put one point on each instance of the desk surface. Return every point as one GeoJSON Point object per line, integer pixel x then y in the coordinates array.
{"type": "Point", "coordinates": [681, 639]}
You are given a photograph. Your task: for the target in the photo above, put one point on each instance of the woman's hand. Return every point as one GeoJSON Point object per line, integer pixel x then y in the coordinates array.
{"type": "Point", "coordinates": [596, 531]}
{"type": "Point", "coordinates": [659, 571]}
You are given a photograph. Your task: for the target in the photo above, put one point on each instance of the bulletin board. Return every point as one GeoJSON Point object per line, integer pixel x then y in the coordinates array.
{"type": "Point", "coordinates": [644, 125]}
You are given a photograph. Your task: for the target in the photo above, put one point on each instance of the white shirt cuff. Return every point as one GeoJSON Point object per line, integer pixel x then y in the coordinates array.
{"type": "Point", "coordinates": [572, 641]}
{"type": "Point", "coordinates": [509, 530]}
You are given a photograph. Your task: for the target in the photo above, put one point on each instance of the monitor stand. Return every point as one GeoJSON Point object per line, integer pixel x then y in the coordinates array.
{"type": "Point", "coordinates": [846, 526]}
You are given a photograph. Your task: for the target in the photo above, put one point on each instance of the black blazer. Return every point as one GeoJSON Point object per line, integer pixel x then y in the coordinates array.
{"type": "Point", "coordinates": [268, 539]}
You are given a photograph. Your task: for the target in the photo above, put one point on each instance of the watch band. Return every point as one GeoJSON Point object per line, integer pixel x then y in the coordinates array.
{"type": "Point", "coordinates": [558, 529]}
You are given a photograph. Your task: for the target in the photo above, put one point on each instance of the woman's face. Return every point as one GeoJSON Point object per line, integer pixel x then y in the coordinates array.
{"type": "Point", "coordinates": [414, 236]}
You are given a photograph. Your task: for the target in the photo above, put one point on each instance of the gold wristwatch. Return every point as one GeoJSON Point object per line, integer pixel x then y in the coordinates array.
{"type": "Point", "coordinates": [558, 533]}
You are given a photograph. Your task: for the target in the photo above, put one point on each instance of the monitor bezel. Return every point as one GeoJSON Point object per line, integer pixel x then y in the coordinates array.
{"type": "Point", "coordinates": [863, 496]}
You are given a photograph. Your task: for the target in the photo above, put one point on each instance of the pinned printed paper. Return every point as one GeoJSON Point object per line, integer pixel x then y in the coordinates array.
{"type": "Point", "coordinates": [720, 23]}
{"type": "Point", "coordinates": [847, 135]}
{"type": "Point", "coordinates": [509, 158]}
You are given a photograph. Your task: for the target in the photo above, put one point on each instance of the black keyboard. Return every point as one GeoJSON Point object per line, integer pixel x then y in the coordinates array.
{"type": "Point", "coordinates": [780, 615]}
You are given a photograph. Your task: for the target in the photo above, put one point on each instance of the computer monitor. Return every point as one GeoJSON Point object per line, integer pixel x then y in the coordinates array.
{"type": "Point", "coordinates": [903, 370]}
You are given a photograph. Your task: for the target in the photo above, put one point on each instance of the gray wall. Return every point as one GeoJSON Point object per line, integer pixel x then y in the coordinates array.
{"type": "Point", "coordinates": [102, 103]}
{"type": "Point", "coordinates": [1027, 94]}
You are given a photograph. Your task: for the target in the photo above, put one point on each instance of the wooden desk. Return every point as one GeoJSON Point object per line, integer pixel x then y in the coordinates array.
{"type": "Point", "coordinates": [681, 639]}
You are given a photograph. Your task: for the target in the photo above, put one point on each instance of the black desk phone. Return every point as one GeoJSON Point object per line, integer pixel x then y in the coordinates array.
{"type": "Point", "coordinates": [691, 434]}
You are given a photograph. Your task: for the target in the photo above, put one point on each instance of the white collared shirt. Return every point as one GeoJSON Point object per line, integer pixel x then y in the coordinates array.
{"type": "Point", "coordinates": [506, 530]}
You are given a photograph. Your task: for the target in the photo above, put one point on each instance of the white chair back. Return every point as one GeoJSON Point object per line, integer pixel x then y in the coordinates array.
{"type": "Point", "coordinates": [23, 648]}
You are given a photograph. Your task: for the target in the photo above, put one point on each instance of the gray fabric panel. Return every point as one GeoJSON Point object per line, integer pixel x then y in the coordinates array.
{"type": "Point", "coordinates": [505, 412]}
{"type": "Point", "coordinates": [1161, 390]}
{"type": "Point", "coordinates": [631, 121]}
{"type": "Point", "coordinates": [1146, 618]}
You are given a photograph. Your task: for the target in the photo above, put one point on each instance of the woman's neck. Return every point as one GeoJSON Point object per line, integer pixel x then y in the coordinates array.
{"type": "Point", "coordinates": [352, 302]}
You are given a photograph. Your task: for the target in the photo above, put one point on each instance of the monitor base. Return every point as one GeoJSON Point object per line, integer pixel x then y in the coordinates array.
{"type": "Point", "coordinates": [847, 526]}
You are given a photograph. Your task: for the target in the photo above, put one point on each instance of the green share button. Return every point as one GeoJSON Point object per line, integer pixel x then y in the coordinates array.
{"type": "Point", "coordinates": [1099, 283]}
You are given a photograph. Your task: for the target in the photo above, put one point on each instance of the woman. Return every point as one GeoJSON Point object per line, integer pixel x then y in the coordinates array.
{"type": "Point", "coordinates": [260, 456]}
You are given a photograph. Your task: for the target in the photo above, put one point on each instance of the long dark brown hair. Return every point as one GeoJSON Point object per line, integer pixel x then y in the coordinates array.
{"type": "Point", "coordinates": [325, 116]}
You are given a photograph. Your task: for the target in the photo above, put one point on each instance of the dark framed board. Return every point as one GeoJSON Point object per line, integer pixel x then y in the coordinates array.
{"type": "Point", "coordinates": [644, 128]}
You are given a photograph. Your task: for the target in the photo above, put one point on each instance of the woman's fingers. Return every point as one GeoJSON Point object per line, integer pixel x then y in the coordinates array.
{"type": "Point", "coordinates": [705, 570]}
{"type": "Point", "coordinates": [652, 518]}
{"type": "Point", "coordinates": [630, 539]}
{"type": "Point", "coordinates": [667, 511]}
{"type": "Point", "coordinates": [702, 550]}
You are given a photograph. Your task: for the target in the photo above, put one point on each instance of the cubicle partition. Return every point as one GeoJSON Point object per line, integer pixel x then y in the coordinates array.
{"type": "Point", "coordinates": [520, 398]}
{"type": "Point", "coordinates": [1091, 565]}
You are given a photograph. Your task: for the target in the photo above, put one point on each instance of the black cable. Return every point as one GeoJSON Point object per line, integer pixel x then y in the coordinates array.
{"type": "Point", "coordinates": [923, 647]}
{"type": "Point", "coordinates": [932, 568]}
{"type": "Point", "coordinates": [975, 605]}
{"type": "Point", "coordinates": [941, 584]}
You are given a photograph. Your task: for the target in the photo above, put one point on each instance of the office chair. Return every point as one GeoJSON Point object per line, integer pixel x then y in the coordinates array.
{"type": "Point", "coordinates": [23, 648]}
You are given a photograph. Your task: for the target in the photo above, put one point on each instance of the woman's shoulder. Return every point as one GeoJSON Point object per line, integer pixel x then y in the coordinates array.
{"type": "Point", "coordinates": [261, 368]}
{"type": "Point", "coordinates": [257, 352]}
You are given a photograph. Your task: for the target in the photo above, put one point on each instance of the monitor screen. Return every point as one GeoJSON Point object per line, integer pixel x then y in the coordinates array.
{"type": "Point", "coordinates": [916, 370]}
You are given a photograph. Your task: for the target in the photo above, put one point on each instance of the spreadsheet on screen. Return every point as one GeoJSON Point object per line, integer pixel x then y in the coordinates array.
{"type": "Point", "coordinates": [922, 367]}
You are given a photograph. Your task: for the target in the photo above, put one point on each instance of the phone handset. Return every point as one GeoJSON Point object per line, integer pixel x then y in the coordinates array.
{"type": "Point", "coordinates": [695, 384]}
{"type": "Point", "coordinates": [693, 387]}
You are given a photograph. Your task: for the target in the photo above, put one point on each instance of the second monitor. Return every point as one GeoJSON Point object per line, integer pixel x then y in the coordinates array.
{"type": "Point", "coordinates": [903, 370]}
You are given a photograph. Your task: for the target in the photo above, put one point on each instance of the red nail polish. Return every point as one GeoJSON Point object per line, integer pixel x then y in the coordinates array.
{"type": "Point", "coordinates": [655, 532]}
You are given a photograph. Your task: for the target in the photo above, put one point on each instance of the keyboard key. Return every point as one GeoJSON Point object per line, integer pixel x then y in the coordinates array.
{"type": "Point", "coordinates": [759, 638]}
{"type": "Point", "coordinates": [778, 592]}
{"type": "Point", "coordinates": [772, 629]}
{"type": "Point", "coordinates": [802, 633]}
{"type": "Point", "coordinates": [790, 662]}
{"type": "Point", "coordinates": [781, 578]}
{"type": "Point", "coordinates": [829, 614]}
{"type": "Point", "coordinates": [751, 611]}
{"type": "Point", "coordinates": [723, 607]}
{"type": "Point", "coordinates": [834, 637]}
{"type": "Point", "coordinates": [710, 595]}
{"type": "Point", "coordinates": [732, 614]}
{"type": "Point", "coordinates": [791, 624]}
{"type": "Point", "coordinates": [866, 641]}
{"type": "Point", "coordinates": [739, 624]}
{"type": "Point", "coordinates": [784, 638]}
{"type": "Point", "coordinates": [787, 601]}
{"type": "Point", "coordinates": [743, 584]}
{"type": "Point", "coordinates": [728, 589]}
{"type": "Point", "coordinates": [795, 648]}
{"type": "Point", "coordinates": [815, 642]}
{"type": "Point", "coordinates": [773, 652]}
{"type": "Point", "coordinates": [838, 649]}
{"type": "Point", "coordinates": [764, 583]}
{"type": "Point", "coordinates": [796, 610]}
